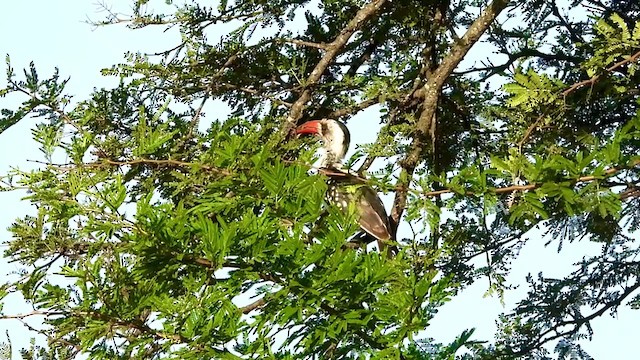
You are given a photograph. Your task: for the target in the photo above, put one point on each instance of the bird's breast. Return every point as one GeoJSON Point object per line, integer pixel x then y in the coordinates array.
{"type": "Point", "coordinates": [338, 196]}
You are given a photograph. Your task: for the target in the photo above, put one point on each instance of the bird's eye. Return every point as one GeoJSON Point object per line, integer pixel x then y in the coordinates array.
{"type": "Point", "coordinates": [323, 128]}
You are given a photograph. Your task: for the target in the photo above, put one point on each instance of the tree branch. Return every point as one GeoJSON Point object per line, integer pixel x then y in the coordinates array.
{"type": "Point", "coordinates": [573, 34]}
{"type": "Point", "coordinates": [252, 92]}
{"type": "Point", "coordinates": [253, 306]}
{"type": "Point", "coordinates": [512, 58]}
{"type": "Point", "coordinates": [159, 163]}
{"type": "Point", "coordinates": [46, 313]}
{"type": "Point", "coordinates": [30, 314]}
{"type": "Point", "coordinates": [513, 188]}
{"type": "Point", "coordinates": [332, 51]}
{"type": "Point", "coordinates": [321, 46]}
{"type": "Point", "coordinates": [352, 110]}
{"type": "Point", "coordinates": [576, 324]}
{"type": "Point", "coordinates": [431, 92]}
{"type": "Point", "coordinates": [595, 78]}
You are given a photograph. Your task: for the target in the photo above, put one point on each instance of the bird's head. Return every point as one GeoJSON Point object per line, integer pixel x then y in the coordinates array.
{"type": "Point", "coordinates": [335, 139]}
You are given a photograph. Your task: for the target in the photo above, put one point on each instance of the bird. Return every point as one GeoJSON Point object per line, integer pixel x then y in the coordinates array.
{"type": "Point", "coordinates": [372, 216]}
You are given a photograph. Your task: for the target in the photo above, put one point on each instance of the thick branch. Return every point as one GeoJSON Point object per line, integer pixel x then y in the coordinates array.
{"type": "Point", "coordinates": [352, 110]}
{"type": "Point", "coordinates": [431, 92]}
{"type": "Point", "coordinates": [254, 305]}
{"type": "Point", "coordinates": [375, 41]}
{"type": "Point", "coordinates": [332, 51]}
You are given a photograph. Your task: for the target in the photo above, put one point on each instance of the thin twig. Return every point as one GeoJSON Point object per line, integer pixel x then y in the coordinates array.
{"type": "Point", "coordinates": [252, 92]}
{"type": "Point", "coordinates": [30, 314]}
{"type": "Point", "coordinates": [595, 78]}
{"type": "Point", "coordinates": [166, 162]}
{"type": "Point", "coordinates": [513, 188]}
{"type": "Point", "coordinates": [321, 46]}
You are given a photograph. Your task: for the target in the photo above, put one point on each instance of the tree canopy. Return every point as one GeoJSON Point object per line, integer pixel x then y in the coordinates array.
{"type": "Point", "coordinates": [159, 233]}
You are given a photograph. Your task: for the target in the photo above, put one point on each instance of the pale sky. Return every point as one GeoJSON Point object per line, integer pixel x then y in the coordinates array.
{"type": "Point", "coordinates": [54, 33]}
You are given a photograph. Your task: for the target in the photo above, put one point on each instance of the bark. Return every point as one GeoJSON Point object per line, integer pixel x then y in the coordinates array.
{"type": "Point", "coordinates": [425, 126]}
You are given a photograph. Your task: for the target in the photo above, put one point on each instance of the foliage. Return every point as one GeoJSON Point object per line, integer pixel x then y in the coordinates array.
{"type": "Point", "coordinates": [160, 233]}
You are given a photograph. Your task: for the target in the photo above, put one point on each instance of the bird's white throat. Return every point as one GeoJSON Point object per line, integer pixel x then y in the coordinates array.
{"type": "Point", "coordinates": [334, 149]}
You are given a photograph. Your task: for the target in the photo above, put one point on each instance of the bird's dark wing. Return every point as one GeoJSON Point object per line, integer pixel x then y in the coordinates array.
{"type": "Point", "coordinates": [372, 216]}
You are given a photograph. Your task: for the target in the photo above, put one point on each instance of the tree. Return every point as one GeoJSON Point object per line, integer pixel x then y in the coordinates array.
{"type": "Point", "coordinates": [155, 237]}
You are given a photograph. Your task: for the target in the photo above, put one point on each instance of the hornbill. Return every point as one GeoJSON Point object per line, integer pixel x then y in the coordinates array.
{"type": "Point", "coordinates": [372, 216]}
